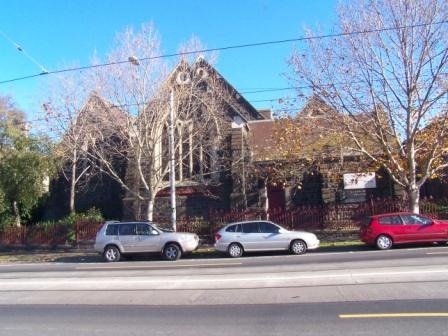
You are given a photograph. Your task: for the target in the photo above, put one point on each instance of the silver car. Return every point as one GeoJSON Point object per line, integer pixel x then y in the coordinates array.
{"type": "Point", "coordinates": [237, 238]}
{"type": "Point", "coordinates": [115, 239]}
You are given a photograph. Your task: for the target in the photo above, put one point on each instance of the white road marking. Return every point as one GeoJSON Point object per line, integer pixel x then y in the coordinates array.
{"type": "Point", "coordinates": [183, 280]}
{"type": "Point", "coordinates": [393, 315]}
{"type": "Point", "coordinates": [118, 267]}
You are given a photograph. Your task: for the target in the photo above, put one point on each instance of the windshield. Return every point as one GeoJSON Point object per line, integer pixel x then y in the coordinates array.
{"type": "Point", "coordinates": [163, 229]}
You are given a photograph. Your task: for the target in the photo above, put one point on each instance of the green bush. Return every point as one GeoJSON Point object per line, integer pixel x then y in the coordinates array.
{"type": "Point", "coordinates": [93, 215]}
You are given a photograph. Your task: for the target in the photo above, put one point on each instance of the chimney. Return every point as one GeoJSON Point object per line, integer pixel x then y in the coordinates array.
{"type": "Point", "coordinates": [266, 113]}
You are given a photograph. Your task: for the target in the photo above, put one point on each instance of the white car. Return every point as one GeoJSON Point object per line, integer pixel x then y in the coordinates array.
{"type": "Point", "coordinates": [115, 239]}
{"type": "Point", "coordinates": [258, 235]}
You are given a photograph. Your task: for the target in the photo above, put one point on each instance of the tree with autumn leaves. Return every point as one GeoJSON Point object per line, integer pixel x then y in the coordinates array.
{"type": "Point", "coordinates": [384, 79]}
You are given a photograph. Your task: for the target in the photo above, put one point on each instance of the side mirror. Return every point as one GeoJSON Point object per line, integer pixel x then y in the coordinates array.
{"type": "Point", "coordinates": [154, 232]}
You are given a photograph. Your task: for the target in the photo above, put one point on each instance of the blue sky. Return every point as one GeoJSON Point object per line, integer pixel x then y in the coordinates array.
{"type": "Point", "coordinates": [61, 32]}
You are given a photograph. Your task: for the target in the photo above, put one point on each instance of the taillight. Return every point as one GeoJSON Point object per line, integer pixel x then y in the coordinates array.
{"type": "Point", "coordinates": [217, 237]}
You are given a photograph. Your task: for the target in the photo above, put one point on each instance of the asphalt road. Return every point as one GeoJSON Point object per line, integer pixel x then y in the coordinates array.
{"type": "Point", "coordinates": [323, 257]}
{"type": "Point", "coordinates": [383, 317]}
{"type": "Point", "coordinates": [320, 293]}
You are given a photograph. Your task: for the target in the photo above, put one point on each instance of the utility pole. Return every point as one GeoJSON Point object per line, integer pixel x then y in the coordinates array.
{"type": "Point", "coordinates": [172, 152]}
{"type": "Point", "coordinates": [172, 162]}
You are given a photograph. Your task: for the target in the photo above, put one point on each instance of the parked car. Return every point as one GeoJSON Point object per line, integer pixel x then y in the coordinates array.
{"type": "Point", "coordinates": [386, 230]}
{"type": "Point", "coordinates": [115, 239]}
{"type": "Point", "coordinates": [238, 238]}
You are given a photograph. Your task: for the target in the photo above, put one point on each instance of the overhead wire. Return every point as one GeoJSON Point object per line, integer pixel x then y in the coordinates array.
{"type": "Point", "coordinates": [261, 90]}
{"type": "Point", "coordinates": [207, 50]}
{"type": "Point", "coordinates": [24, 52]}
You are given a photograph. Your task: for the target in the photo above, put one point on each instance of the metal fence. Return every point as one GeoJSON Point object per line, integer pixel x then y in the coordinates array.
{"type": "Point", "coordinates": [336, 218]}
{"type": "Point", "coordinates": [330, 217]}
{"type": "Point", "coordinates": [57, 234]}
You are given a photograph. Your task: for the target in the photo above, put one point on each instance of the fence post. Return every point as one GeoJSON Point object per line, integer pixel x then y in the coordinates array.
{"type": "Point", "coordinates": [211, 216]}
{"type": "Point", "coordinates": [23, 235]}
{"type": "Point", "coordinates": [77, 233]}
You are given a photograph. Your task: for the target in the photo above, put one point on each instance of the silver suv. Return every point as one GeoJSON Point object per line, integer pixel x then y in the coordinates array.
{"type": "Point", "coordinates": [115, 239]}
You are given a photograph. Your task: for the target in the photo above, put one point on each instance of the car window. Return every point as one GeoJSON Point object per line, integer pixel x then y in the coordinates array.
{"type": "Point", "coordinates": [416, 219]}
{"type": "Point", "coordinates": [143, 229]}
{"type": "Point", "coordinates": [232, 228]}
{"type": "Point", "coordinates": [268, 228]}
{"type": "Point", "coordinates": [390, 220]}
{"type": "Point", "coordinates": [112, 230]}
{"type": "Point", "coordinates": [251, 227]}
{"type": "Point", "coordinates": [127, 229]}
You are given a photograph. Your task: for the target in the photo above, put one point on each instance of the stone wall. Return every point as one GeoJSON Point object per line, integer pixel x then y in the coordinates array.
{"type": "Point", "coordinates": [323, 183]}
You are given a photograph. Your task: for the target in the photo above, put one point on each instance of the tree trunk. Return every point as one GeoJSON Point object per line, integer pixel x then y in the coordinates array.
{"type": "Point", "coordinates": [150, 208]}
{"type": "Point", "coordinates": [264, 200]}
{"type": "Point", "coordinates": [15, 209]}
{"type": "Point", "coordinates": [72, 189]}
{"type": "Point", "coordinates": [414, 199]}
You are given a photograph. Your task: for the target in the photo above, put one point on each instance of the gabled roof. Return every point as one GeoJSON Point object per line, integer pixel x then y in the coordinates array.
{"type": "Point", "coordinates": [94, 102]}
{"type": "Point", "coordinates": [261, 139]}
{"type": "Point", "coordinates": [315, 107]}
{"type": "Point", "coordinates": [313, 130]}
{"type": "Point", "coordinates": [235, 100]}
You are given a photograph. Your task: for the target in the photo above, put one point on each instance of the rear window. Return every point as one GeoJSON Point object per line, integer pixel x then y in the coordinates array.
{"type": "Point", "coordinates": [127, 229]}
{"type": "Point", "coordinates": [234, 228]}
{"type": "Point", "coordinates": [390, 220]}
{"type": "Point", "coordinates": [250, 227]}
{"type": "Point", "coordinates": [112, 230]}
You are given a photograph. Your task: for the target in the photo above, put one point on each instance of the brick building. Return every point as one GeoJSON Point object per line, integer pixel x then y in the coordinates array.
{"type": "Point", "coordinates": [242, 180]}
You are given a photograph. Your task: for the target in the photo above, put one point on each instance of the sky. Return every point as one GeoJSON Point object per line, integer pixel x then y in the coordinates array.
{"type": "Point", "coordinates": [58, 33]}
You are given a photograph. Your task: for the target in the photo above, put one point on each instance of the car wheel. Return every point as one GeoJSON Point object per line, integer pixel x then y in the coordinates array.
{"type": "Point", "coordinates": [172, 252]}
{"type": "Point", "coordinates": [111, 254]}
{"type": "Point", "coordinates": [298, 247]}
{"type": "Point", "coordinates": [384, 242]}
{"type": "Point", "coordinates": [235, 250]}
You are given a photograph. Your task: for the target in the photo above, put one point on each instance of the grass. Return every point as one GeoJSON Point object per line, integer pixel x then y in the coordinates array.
{"type": "Point", "coordinates": [341, 243]}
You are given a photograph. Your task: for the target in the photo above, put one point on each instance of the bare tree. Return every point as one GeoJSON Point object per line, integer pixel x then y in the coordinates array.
{"type": "Point", "coordinates": [65, 110]}
{"type": "Point", "coordinates": [146, 91]}
{"type": "Point", "coordinates": [385, 79]}
{"type": "Point", "coordinates": [191, 50]}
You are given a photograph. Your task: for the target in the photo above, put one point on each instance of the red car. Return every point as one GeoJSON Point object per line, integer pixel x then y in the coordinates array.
{"type": "Point", "coordinates": [388, 229]}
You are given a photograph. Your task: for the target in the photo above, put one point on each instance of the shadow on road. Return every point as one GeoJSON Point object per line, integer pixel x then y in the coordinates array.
{"type": "Point", "coordinates": [89, 256]}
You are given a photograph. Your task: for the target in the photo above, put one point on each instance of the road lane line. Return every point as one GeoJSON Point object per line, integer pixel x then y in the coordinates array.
{"type": "Point", "coordinates": [140, 280]}
{"type": "Point", "coordinates": [436, 252]}
{"type": "Point", "coordinates": [155, 266]}
{"type": "Point", "coordinates": [393, 315]}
